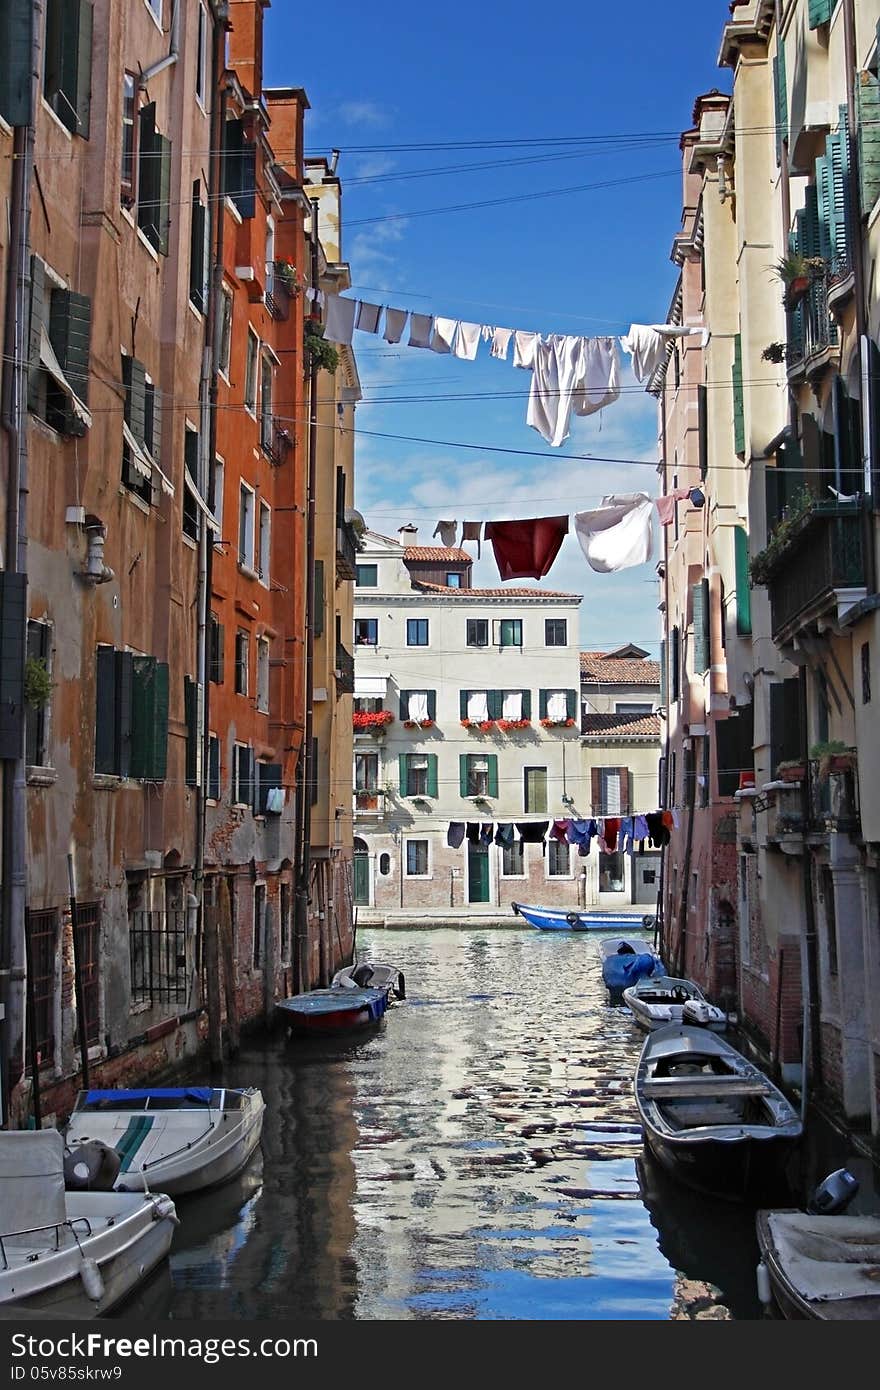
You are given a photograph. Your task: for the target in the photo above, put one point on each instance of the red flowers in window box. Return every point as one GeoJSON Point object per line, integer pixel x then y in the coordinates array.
{"type": "Point", "coordinates": [509, 725]}
{"type": "Point", "coordinates": [486, 726]}
{"type": "Point", "coordinates": [426, 723]}
{"type": "Point", "coordinates": [547, 723]}
{"type": "Point", "coordinates": [372, 719]}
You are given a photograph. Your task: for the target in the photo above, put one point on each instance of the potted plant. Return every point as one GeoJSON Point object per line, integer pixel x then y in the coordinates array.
{"type": "Point", "coordinates": [792, 770]}
{"type": "Point", "coordinates": [774, 352]}
{"type": "Point", "coordinates": [832, 756]}
{"type": "Point", "coordinates": [426, 723]}
{"type": "Point", "coordinates": [286, 273]}
{"type": "Point", "coordinates": [797, 274]}
{"type": "Point", "coordinates": [486, 726]}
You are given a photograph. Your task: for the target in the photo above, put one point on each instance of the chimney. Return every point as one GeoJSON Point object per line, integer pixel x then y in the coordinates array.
{"type": "Point", "coordinates": [246, 44]}
{"type": "Point", "coordinates": [408, 534]}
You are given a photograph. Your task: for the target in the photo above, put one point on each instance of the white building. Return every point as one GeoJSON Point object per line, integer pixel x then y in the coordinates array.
{"type": "Point", "coordinates": [432, 652]}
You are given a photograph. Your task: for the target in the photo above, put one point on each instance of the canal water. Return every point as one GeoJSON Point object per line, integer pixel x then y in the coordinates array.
{"type": "Point", "coordinates": [478, 1156]}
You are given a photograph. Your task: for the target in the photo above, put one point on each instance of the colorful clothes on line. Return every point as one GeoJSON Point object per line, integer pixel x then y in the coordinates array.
{"type": "Point", "coordinates": [455, 834]}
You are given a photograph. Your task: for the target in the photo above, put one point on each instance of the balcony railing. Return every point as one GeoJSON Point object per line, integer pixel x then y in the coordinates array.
{"type": "Point", "coordinates": [275, 440]}
{"type": "Point", "coordinates": [834, 798]}
{"type": "Point", "coordinates": [811, 329]}
{"type": "Point", "coordinates": [824, 554]}
{"type": "Point", "coordinates": [369, 802]}
{"type": "Point", "coordinates": [344, 670]}
{"type": "Point", "coordinates": [346, 550]}
{"type": "Point", "coordinates": [277, 294]}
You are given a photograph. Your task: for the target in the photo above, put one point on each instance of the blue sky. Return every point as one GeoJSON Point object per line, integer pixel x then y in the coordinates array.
{"type": "Point", "coordinates": [621, 81]}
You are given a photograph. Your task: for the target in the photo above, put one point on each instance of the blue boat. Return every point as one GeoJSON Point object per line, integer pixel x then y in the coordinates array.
{"type": "Point", "coordinates": [624, 961]}
{"type": "Point", "coordinates": [333, 1010]}
{"type": "Point", "coordinates": [569, 919]}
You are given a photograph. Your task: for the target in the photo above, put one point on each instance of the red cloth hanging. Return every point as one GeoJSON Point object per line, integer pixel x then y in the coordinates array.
{"type": "Point", "coordinates": [526, 549]}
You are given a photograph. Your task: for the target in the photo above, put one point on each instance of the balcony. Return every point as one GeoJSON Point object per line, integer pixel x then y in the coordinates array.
{"type": "Point", "coordinates": [344, 671]}
{"type": "Point", "coordinates": [281, 285]}
{"type": "Point", "coordinates": [816, 568]}
{"type": "Point", "coordinates": [346, 550]}
{"type": "Point", "coordinates": [812, 333]}
{"type": "Point", "coordinates": [785, 817]}
{"type": "Point", "coordinates": [834, 795]}
{"type": "Point", "coordinates": [275, 440]}
{"type": "Point", "coordinates": [369, 803]}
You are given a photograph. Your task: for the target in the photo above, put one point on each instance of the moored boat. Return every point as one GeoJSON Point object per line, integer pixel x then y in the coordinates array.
{"type": "Point", "coordinates": [582, 919]}
{"type": "Point", "coordinates": [711, 1117]}
{"type": "Point", "coordinates": [334, 1010]}
{"type": "Point", "coordinates": [821, 1267]}
{"type": "Point", "coordinates": [370, 974]}
{"type": "Point", "coordinates": [624, 961]}
{"type": "Point", "coordinates": [658, 1000]}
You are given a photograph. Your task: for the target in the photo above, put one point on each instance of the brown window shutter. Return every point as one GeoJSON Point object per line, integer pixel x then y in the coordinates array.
{"type": "Point", "coordinates": [595, 790]}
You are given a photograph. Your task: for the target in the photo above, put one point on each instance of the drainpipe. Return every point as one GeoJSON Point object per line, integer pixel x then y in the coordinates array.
{"type": "Point", "coordinates": [173, 53]}
{"type": "Point", "coordinates": [812, 1040]}
{"type": "Point", "coordinates": [13, 846]}
{"type": "Point", "coordinates": [660, 930]}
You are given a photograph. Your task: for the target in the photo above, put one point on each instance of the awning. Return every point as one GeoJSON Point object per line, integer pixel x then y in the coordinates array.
{"type": "Point", "coordinates": [210, 519]}
{"type": "Point", "coordinates": [139, 460]}
{"type": "Point", "coordinates": [53, 367]}
{"type": "Point", "coordinates": [370, 687]}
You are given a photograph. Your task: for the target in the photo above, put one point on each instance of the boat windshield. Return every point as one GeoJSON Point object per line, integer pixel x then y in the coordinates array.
{"type": "Point", "coordinates": [178, 1098]}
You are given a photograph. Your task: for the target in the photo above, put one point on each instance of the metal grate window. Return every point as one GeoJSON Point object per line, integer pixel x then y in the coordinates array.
{"type": "Point", "coordinates": [43, 935]}
{"type": "Point", "coordinates": [158, 957]}
{"type": "Point", "coordinates": [88, 931]}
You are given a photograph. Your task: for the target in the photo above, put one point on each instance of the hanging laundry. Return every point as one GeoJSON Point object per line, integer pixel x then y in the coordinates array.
{"type": "Point", "coordinates": [420, 330]}
{"type": "Point", "coordinates": [472, 531]}
{"type": "Point", "coordinates": [579, 375]}
{"type": "Point", "coordinates": [455, 834]}
{"type": "Point", "coordinates": [526, 549]}
{"type": "Point", "coordinates": [580, 833]}
{"type": "Point", "coordinates": [467, 340]}
{"type": "Point", "coordinates": [512, 705]}
{"type": "Point", "coordinates": [368, 317]}
{"type": "Point", "coordinates": [504, 835]}
{"type": "Point", "coordinates": [697, 497]}
{"type": "Point", "coordinates": [524, 348]}
{"type": "Point", "coordinates": [600, 376]}
{"type": "Point", "coordinates": [395, 322]}
{"type": "Point", "coordinates": [339, 319]}
{"type": "Point", "coordinates": [501, 342]}
{"type": "Point", "coordinates": [487, 832]}
{"type": "Point", "coordinates": [559, 831]}
{"type": "Point", "coordinates": [666, 504]}
{"type": "Point", "coordinates": [609, 834]}
{"type": "Point", "coordinates": [443, 335]}
{"type": "Point", "coordinates": [657, 832]}
{"type": "Point", "coordinates": [417, 706]}
{"type": "Point", "coordinates": [472, 830]}
{"type": "Point", "coordinates": [648, 345]}
{"type": "Point", "coordinates": [626, 835]}
{"type": "Point", "coordinates": [446, 530]}
{"type": "Point", "coordinates": [640, 828]}
{"type": "Point", "coordinates": [676, 819]}
{"type": "Point", "coordinates": [617, 534]}
{"type": "Point", "coordinates": [532, 832]}
{"type": "Point", "coordinates": [668, 819]}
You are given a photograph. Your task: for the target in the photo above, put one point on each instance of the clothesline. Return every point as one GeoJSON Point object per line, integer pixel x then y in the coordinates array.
{"type": "Point", "coordinates": [608, 832]}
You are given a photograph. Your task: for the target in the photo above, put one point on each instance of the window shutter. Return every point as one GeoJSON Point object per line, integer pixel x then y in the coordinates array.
{"type": "Point", "coordinates": [16, 38]}
{"type": "Point", "coordinates": [868, 108]}
{"type": "Point", "coordinates": [820, 11]}
{"type": "Point", "coordinates": [734, 738]}
{"type": "Point", "coordinates": [163, 207]}
{"type": "Point", "coordinates": [739, 427]}
{"type": "Point", "coordinates": [492, 760]}
{"type": "Point", "coordinates": [664, 684]}
{"type": "Point", "coordinates": [595, 790]}
{"type": "Point", "coordinates": [675, 662]}
{"type": "Point", "coordinates": [149, 719]}
{"type": "Point", "coordinates": [217, 632]}
{"type": "Point", "coordinates": [795, 321]}
{"type": "Point", "coordinates": [786, 737]}
{"type": "Point", "coordinates": [148, 172]}
{"type": "Point", "coordinates": [874, 419]}
{"type": "Point", "coordinates": [403, 773]}
{"type": "Point", "coordinates": [743, 591]}
{"type": "Point", "coordinates": [70, 324]}
{"type": "Point", "coordinates": [214, 769]}
{"type": "Point", "coordinates": [571, 704]}
{"type": "Point", "coordinates": [190, 714]}
{"type": "Point", "coordinates": [780, 91]}
{"type": "Point", "coordinates": [825, 197]}
{"type": "Point", "coordinates": [318, 615]}
{"type": "Point", "coordinates": [105, 708]}
{"type": "Point", "coordinates": [13, 648]}
{"type": "Point", "coordinates": [703, 429]}
{"type": "Point", "coordinates": [404, 704]}
{"type": "Point", "coordinates": [527, 704]}
{"type": "Point", "coordinates": [542, 704]}
{"type": "Point", "coordinates": [154, 432]}
{"type": "Point", "coordinates": [197, 253]}
{"type": "Point", "coordinates": [432, 704]}
{"type": "Point", "coordinates": [495, 703]}
{"type": "Point", "coordinates": [135, 378]}
{"type": "Point", "coordinates": [700, 601]}
{"type": "Point", "coordinates": [837, 157]}
{"type": "Point", "coordinates": [432, 774]}
{"type": "Point", "coordinates": [38, 310]}
{"type": "Point", "coordinates": [463, 774]}
{"type": "Point", "coordinates": [625, 790]}
{"type": "Point", "coordinates": [268, 775]}
{"type": "Point", "coordinates": [122, 718]}
{"type": "Point", "coordinates": [82, 86]}
{"type": "Point", "coordinates": [463, 703]}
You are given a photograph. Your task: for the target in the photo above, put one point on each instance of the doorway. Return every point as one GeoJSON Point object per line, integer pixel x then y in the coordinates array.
{"type": "Point", "coordinates": [478, 873]}
{"type": "Point", "coordinates": [361, 874]}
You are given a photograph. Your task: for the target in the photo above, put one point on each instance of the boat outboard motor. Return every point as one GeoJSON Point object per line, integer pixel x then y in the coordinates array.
{"type": "Point", "coordinates": [834, 1193]}
{"type": "Point", "coordinates": [91, 1166]}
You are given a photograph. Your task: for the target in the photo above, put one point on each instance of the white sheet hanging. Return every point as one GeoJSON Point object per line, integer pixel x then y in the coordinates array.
{"type": "Point", "coordinates": [511, 706]}
{"type": "Point", "coordinates": [339, 319]}
{"type": "Point", "coordinates": [618, 533]}
{"type": "Point", "coordinates": [417, 708]}
{"type": "Point", "coordinates": [478, 705]}
{"type": "Point", "coordinates": [524, 348]}
{"type": "Point", "coordinates": [467, 340]}
{"type": "Point", "coordinates": [443, 335]}
{"type": "Point", "coordinates": [395, 322]}
{"type": "Point", "coordinates": [501, 342]}
{"type": "Point", "coordinates": [648, 344]}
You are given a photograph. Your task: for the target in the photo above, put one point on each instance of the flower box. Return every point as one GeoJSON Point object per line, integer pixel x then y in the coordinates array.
{"type": "Point", "coordinates": [511, 725]}
{"type": "Point", "coordinates": [372, 720]}
{"type": "Point", "coordinates": [547, 723]}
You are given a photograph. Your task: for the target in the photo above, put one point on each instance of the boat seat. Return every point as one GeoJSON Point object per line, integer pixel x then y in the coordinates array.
{"type": "Point", "coordinates": [139, 1127]}
{"type": "Point", "coordinates": [686, 1087]}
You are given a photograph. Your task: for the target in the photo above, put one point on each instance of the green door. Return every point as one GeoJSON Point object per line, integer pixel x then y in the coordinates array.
{"type": "Point", "coordinates": [361, 875]}
{"type": "Point", "coordinates": [478, 873]}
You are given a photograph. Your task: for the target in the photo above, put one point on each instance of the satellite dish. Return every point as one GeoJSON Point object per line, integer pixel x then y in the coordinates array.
{"type": "Point", "coordinates": [354, 518]}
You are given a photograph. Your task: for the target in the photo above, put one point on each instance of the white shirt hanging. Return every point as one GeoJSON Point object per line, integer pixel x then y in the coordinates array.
{"type": "Point", "coordinates": [339, 318]}
{"type": "Point", "coordinates": [467, 340]}
{"type": "Point", "coordinates": [501, 342]}
{"type": "Point", "coordinates": [618, 533]}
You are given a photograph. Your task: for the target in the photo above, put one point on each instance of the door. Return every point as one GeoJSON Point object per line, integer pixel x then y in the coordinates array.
{"type": "Point", "coordinates": [478, 873]}
{"type": "Point", "coordinates": [361, 874]}
{"type": "Point", "coordinates": [646, 877]}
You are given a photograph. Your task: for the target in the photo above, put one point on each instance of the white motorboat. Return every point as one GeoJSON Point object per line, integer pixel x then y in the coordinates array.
{"type": "Point", "coordinates": [658, 1000]}
{"type": "Point", "coordinates": [175, 1140]}
{"type": "Point", "coordinates": [71, 1254]}
{"type": "Point", "coordinates": [371, 974]}
{"type": "Point", "coordinates": [822, 1266]}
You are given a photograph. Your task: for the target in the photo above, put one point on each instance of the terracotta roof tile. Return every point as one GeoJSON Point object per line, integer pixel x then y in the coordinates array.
{"type": "Point", "coordinates": [597, 666]}
{"type": "Point", "coordinates": [436, 552]}
{"type": "Point", "coordinates": [621, 725]}
{"type": "Point", "coordinates": [492, 593]}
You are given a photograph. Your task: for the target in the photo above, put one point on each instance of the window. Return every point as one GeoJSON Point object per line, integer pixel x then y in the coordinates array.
{"type": "Point", "coordinates": [156, 7]}
{"type": "Point", "coordinates": [385, 864]}
{"type": "Point", "coordinates": [218, 475]}
{"type": "Point", "coordinates": [611, 873]}
{"type": "Point", "coordinates": [42, 930]}
{"type": "Point", "coordinates": [131, 715]}
{"type": "Point", "coordinates": [141, 429]}
{"type": "Point", "coordinates": [58, 352]}
{"type": "Point", "coordinates": [246, 526]}
{"type": "Point", "coordinates": [39, 650]}
{"type": "Point", "coordinates": [191, 712]}
{"type": "Point", "coordinates": [477, 774]}
{"type": "Point", "coordinates": [633, 707]}
{"type": "Point", "coordinates": [199, 252]}
{"type": "Point", "coordinates": [250, 373]}
{"type": "Point", "coordinates": [67, 74]}
{"type": "Point", "coordinates": [286, 915]}
{"type": "Point", "coordinates": [88, 931]}
{"type": "Point", "coordinates": [513, 860]}
{"type": "Point", "coordinates": [242, 775]}
{"type": "Point", "coordinates": [417, 632]}
{"type": "Point", "coordinates": [267, 423]}
{"type": "Point", "coordinates": [535, 789]}
{"type": "Point", "coordinates": [367, 576]}
{"type": "Point", "coordinates": [366, 772]}
{"type": "Point", "coordinates": [555, 632]}
{"type": "Point", "coordinates": [418, 774]}
{"type": "Point", "coordinates": [557, 705]}
{"type": "Point", "coordinates": [225, 332]}
{"type": "Point", "coordinates": [213, 788]}
{"type": "Point", "coordinates": [215, 650]}
{"type": "Point", "coordinates": [128, 168]}
{"type": "Point", "coordinates": [265, 539]}
{"type": "Point", "coordinates": [154, 181]}
{"type": "Point", "coordinates": [417, 858]}
{"type": "Point", "coordinates": [241, 662]}
{"type": "Point", "coordinates": [453, 580]}
{"type": "Point", "coordinates": [477, 632]}
{"type": "Point", "coordinates": [202, 55]}
{"type": "Point", "coordinates": [192, 520]}
{"type": "Point", "coordinates": [259, 924]}
{"type": "Point", "coordinates": [507, 632]}
{"type": "Point", "coordinates": [239, 168]}
{"type": "Point", "coordinates": [366, 632]}
{"type": "Point", "coordinates": [830, 918]}
{"type": "Point", "coordinates": [610, 791]}
{"type": "Point", "coordinates": [367, 704]}
{"type": "Point", "coordinates": [558, 859]}
{"type": "Point", "coordinates": [263, 675]}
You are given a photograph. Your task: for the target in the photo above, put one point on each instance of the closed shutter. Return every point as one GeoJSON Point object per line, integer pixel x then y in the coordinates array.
{"type": "Point", "coordinates": [739, 426]}
{"type": "Point", "coordinates": [820, 11]}
{"type": "Point", "coordinates": [734, 738]}
{"type": "Point", "coordinates": [70, 326]}
{"type": "Point", "coordinates": [625, 791]}
{"type": "Point", "coordinates": [216, 658]}
{"type": "Point", "coordinates": [595, 790]}
{"type": "Point", "coordinates": [135, 377]}
{"type": "Point", "coordinates": [268, 775]}
{"type": "Point", "coordinates": [13, 648]}
{"type": "Point", "coordinates": [148, 173]}
{"type": "Point", "coordinates": [868, 107]}
{"type": "Point", "coordinates": [701, 618]}
{"type": "Point", "coordinates": [403, 773]}
{"type": "Point", "coordinates": [664, 683]}
{"type": "Point", "coordinates": [847, 439]}
{"type": "Point", "coordinates": [432, 704]}
{"type": "Point", "coordinates": [38, 315]}
{"type": "Point", "coordinates": [463, 703]}
{"type": "Point", "coordinates": [703, 429]}
{"type": "Point", "coordinates": [214, 769]}
{"type": "Point", "coordinates": [527, 704]}
{"type": "Point", "coordinates": [571, 698]}
{"type": "Point", "coordinates": [191, 716]}
{"type": "Point", "coordinates": [542, 704]}
{"type": "Point", "coordinates": [675, 662]}
{"type": "Point", "coordinates": [82, 85]}
{"type": "Point", "coordinates": [239, 169]}
{"type": "Point", "coordinates": [163, 223]}
{"type": "Point", "coordinates": [404, 704]}
{"type": "Point", "coordinates": [795, 321]}
{"type": "Point", "coordinates": [743, 589]}
{"type": "Point", "coordinates": [780, 93]}
{"type": "Point", "coordinates": [124, 678]}
{"type": "Point", "coordinates": [105, 710]}
{"type": "Point", "coordinates": [492, 761]}
{"type": "Point", "coordinates": [786, 736]}
{"type": "Point", "coordinates": [318, 615]}
{"type": "Point", "coordinates": [495, 703]}
{"type": "Point", "coordinates": [197, 267]}
{"type": "Point", "coordinates": [153, 441]}
{"type": "Point", "coordinates": [149, 719]}
{"type": "Point", "coordinates": [16, 39]}
{"type": "Point", "coordinates": [463, 774]}
{"type": "Point", "coordinates": [838, 157]}
{"type": "Point", "coordinates": [432, 774]}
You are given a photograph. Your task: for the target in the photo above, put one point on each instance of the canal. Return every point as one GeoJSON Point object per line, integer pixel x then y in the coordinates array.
{"type": "Point", "coordinates": [477, 1157]}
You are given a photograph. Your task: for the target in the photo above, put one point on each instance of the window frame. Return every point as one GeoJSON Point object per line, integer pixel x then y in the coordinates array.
{"type": "Point", "coordinates": [415, 841]}
{"type": "Point", "coordinates": [550, 625]}
{"type": "Point", "coordinates": [506, 850]}
{"type": "Point", "coordinates": [364, 584]}
{"type": "Point", "coordinates": [415, 624]}
{"type": "Point", "coordinates": [191, 517]}
{"type": "Point", "coordinates": [453, 579]}
{"type": "Point", "coordinates": [250, 373]}
{"type": "Point", "coordinates": [258, 937]}
{"type": "Point", "coordinates": [267, 385]}
{"type": "Point", "coordinates": [237, 750]}
{"type": "Point", "coordinates": [535, 810]}
{"type": "Point", "coordinates": [475, 776]}
{"type": "Point", "coordinates": [128, 185]}
{"type": "Point", "coordinates": [471, 623]}
{"type": "Point", "coordinates": [263, 546]}
{"type": "Point", "coordinates": [498, 627]}
{"type": "Point", "coordinates": [247, 511]}
{"type": "Point", "coordinates": [620, 858]}
{"type": "Point", "coordinates": [38, 719]}
{"type": "Point", "coordinates": [264, 657]}
{"type": "Point", "coordinates": [218, 481]}
{"type": "Point", "coordinates": [241, 684]}
{"type": "Point", "coordinates": [364, 642]}
{"type": "Point", "coordinates": [227, 301]}
{"type": "Point", "coordinates": [202, 31]}
{"type": "Point", "coordinates": [554, 847]}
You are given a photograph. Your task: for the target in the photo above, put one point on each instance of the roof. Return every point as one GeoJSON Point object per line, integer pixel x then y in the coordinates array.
{"type": "Point", "coordinates": [436, 552]}
{"type": "Point", "coordinates": [621, 726]}
{"type": "Point", "coordinates": [613, 670]}
{"type": "Point", "coordinates": [455, 592]}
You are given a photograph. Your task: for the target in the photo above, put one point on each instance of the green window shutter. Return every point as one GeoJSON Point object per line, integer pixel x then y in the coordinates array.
{"type": "Point", "coordinates": [495, 703]}
{"type": "Point", "coordinates": [664, 683]}
{"type": "Point", "coordinates": [83, 79]}
{"type": "Point", "coordinates": [838, 159]}
{"type": "Point", "coordinates": [124, 677]}
{"type": "Point", "coordinates": [191, 716]}
{"type": "Point", "coordinates": [148, 173]}
{"type": "Point", "coordinates": [432, 704]}
{"type": "Point", "coordinates": [780, 92]}
{"type": "Point", "coordinates": [105, 710]}
{"type": "Point", "coordinates": [527, 704]}
{"type": "Point", "coordinates": [38, 315]}
{"type": "Point", "coordinates": [197, 252]}
{"type": "Point", "coordinates": [743, 591]}
{"type": "Point", "coordinates": [154, 425]}
{"type": "Point", "coordinates": [403, 773]}
{"type": "Point", "coordinates": [403, 712]}
{"type": "Point", "coordinates": [571, 697]}
{"type": "Point", "coordinates": [463, 774]}
{"type": "Point", "coordinates": [135, 377]}
{"type": "Point", "coordinates": [492, 760]}
{"type": "Point", "coordinates": [825, 195]}
{"type": "Point", "coordinates": [542, 704]}
{"type": "Point", "coordinates": [463, 703]}
{"type": "Point", "coordinates": [213, 788]}
{"type": "Point", "coordinates": [868, 108]}
{"type": "Point", "coordinates": [70, 324]}
{"type": "Point", "coordinates": [318, 615]}
{"type": "Point", "coordinates": [149, 719]}
{"type": "Point", "coordinates": [820, 11]}
{"type": "Point", "coordinates": [700, 600]}
{"type": "Point", "coordinates": [703, 422]}
{"type": "Point", "coordinates": [432, 774]}
{"type": "Point", "coordinates": [16, 38]}
{"type": "Point", "coordinates": [739, 427]}
{"type": "Point", "coordinates": [675, 662]}
{"type": "Point", "coordinates": [163, 154]}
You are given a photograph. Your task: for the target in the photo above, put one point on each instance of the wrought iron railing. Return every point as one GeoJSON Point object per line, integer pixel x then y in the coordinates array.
{"type": "Point", "coordinates": [346, 550]}
{"type": "Point", "coordinates": [834, 797]}
{"type": "Point", "coordinates": [344, 670]}
{"type": "Point", "coordinates": [825, 553]}
{"type": "Point", "coordinates": [158, 957]}
{"type": "Point", "coordinates": [275, 440]}
{"type": "Point", "coordinates": [811, 329]}
{"type": "Point", "coordinates": [277, 294]}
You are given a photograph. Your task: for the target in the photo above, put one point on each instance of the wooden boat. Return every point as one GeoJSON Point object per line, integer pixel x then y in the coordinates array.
{"type": "Point", "coordinates": [711, 1118]}
{"type": "Point", "coordinates": [334, 1010]}
{"type": "Point", "coordinates": [71, 1254]}
{"type": "Point", "coordinates": [593, 919]}
{"type": "Point", "coordinates": [174, 1140]}
{"type": "Point", "coordinates": [624, 961]}
{"type": "Point", "coordinates": [659, 1000]}
{"type": "Point", "coordinates": [821, 1266]}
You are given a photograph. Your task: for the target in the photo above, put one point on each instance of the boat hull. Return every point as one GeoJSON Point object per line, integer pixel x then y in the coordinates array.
{"type": "Point", "coordinates": [323, 1011]}
{"type": "Point", "coordinates": [743, 1170]}
{"type": "Point", "coordinates": [790, 1301]}
{"type": "Point", "coordinates": [220, 1166]}
{"type": "Point", "coordinates": [572, 920]}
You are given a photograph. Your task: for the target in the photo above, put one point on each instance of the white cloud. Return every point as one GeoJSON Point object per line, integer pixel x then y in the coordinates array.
{"type": "Point", "coordinates": [368, 113]}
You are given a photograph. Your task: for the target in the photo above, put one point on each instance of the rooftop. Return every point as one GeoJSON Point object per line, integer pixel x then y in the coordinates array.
{"type": "Point", "coordinates": [439, 553]}
{"type": "Point", "coordinates": [454, 592]}
{"type": "Point", "coordinates": [621, 726]}
{"type": "Point", "coordinates": [611, 668]}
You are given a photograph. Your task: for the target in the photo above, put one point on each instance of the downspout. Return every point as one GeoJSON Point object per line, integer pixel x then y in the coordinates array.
{"type": "Point", "coordinates": [174, 48]}
{"type": "Point", "coordinates": [660, 931]}
{"type": "Point", "coordinates": [812, 1056]}
{"type": "Point", "coordinates": [13, 846]}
